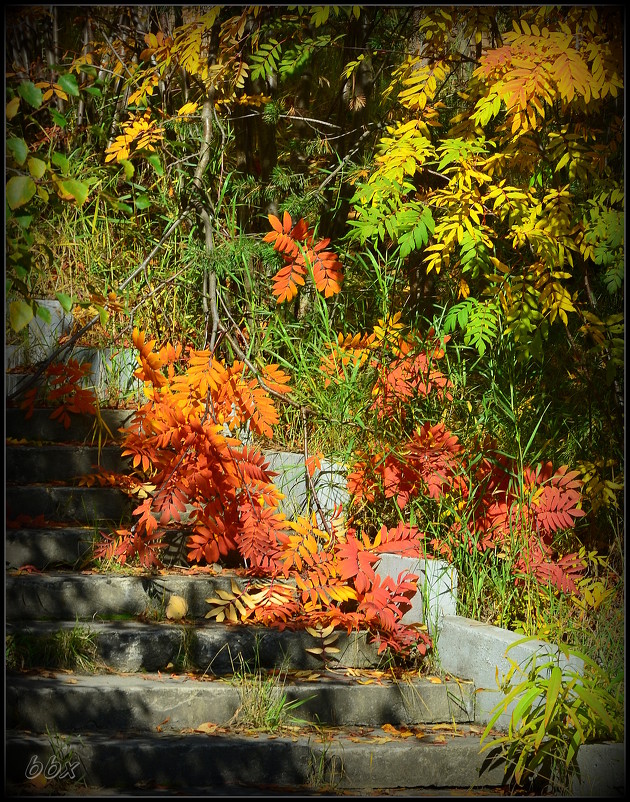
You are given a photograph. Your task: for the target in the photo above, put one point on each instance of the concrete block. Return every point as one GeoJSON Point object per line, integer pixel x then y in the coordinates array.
{"type": "Point", "coordinates": [329, 482]}
{"type": "Point", "coordinates": [43, 337]}
{"type": "Point", "coordinates": [476, 651]}
{"type": "Point", "coordinates": [14, 356]}
{"type": "Point", "coordinates": [219, 651]}
{"type": "Point", "coordinates": [112, 372]}
{"type": "Point", "coordinates": [437, 587]}
{"type": "Point", "coordinates": [602, 770]}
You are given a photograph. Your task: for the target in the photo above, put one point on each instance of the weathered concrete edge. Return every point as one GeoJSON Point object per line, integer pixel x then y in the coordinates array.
{"type": "Point", "coordinates": [188, 760]}
{"type": "Point", "coordinates": [197, 760]}
{"type": "Point", "coordinates": [144, 702]}
{"type": "Point", "coordinates": [476, 651]}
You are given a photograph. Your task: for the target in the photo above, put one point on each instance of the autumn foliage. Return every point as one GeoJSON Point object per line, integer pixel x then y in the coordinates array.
{"type": "Point", "coordinates": [301, 253]}
{"type": "Point", "coordinates": [191, 468]}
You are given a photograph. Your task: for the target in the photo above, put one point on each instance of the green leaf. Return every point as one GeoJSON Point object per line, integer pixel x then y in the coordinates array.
{"type": "Point", "coordinates": [102, 313]}
{"type": "Point", "coordinates": [69, 84]}
{"type": "Point", "coordinates": [77, 189]}
{"type": "Point", "coordinates": [595, 703]}
{"type": "Point", "coordinates": [44, 313]}
{"type": "Point", "coordinates": [64, 300]}
{"type": "Point", "coordinates": [31, 94]}
{"type": "Point", "coordinates": [36, 167]}
{"type": "Point", "coordinates": [60, 161]}
{"type": "Point", "coordinates": [128, 168]}
{"type": "Point", "coordinates": [522, 709]}
{"type": "Point", "coordinates": [18, 149]}
{"type": "Point", "coordinates": [553, 690]}
{"type": "Point", "coordinates": [154, 161]}
{"type": "Point", "coordinates": [562, 162]}
{"type": "Point", "coordinates": [142, 202]}
{"type": "Point", "coordinates": [20, 189]}
{"type": "Point", "coordinates": [58, 118]}
{"type": "Point", "coordinates": [24, 220]}
{"type": "Point", "coordinates": [20, 314]}
{"type": "Point", "coordinates": [94, 91]}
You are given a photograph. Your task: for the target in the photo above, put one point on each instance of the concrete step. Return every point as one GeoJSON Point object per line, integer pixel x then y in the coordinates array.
{"type": "Point", "coordinates": [73, 505]}
{"type": "Point", "coordinates": [40, 427]}
{"type": "Point", "coordinates": [26, 464]}
{"type": "Point", "coordinates": [216, 649]}
{"type": "Point", "coordinates": [72, 547]}
{"type": "Point", "coordinates": [45, 548]}
{"type": "Point", "coordinates": [325, 761]}
{"type": "Point", "coordinates": [71, 703]}
{"type": "Point", "coordinates": [86, 596]}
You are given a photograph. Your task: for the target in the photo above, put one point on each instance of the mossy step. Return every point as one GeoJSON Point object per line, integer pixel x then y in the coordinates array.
{"type": "Point", "coordinates": [71, 703]}
{"type": "Point", "coordinates": [26, 464]}
{"type": "Point", "coordinates": [81, 505]}
{"type": "Point", "coordinates": [328, 762]}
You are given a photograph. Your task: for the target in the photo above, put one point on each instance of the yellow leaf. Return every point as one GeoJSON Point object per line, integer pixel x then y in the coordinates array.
{"type": "Point", "coordinates": [176, 608]}
{"type": "Point", "coordinates": [12, 108]}
{"type": "Point", "coordinates": [209, 728]}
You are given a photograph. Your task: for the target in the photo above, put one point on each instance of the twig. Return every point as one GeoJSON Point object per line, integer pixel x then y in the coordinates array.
{"type": "Point", "coordinates": [310, 485]}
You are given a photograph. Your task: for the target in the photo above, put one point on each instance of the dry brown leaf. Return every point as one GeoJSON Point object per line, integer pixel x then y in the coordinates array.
{"type": "Point", "coordinates": [209, 728]}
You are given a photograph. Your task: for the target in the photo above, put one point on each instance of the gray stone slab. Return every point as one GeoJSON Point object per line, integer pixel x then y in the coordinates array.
{"type": "Point", "coordinates": [111, 373]}
{"type": "Point", "coordinates": [81, 505]}
{"type": "Point", "coordinates": [44, 548]}
{"type": "Point", "coordinates": [43, 336]}
{"type": "Point", "coordinates": [40, 426]}
{"type": "Point", "coordinates": [437, 587]}
{"type": "Point", "coordinates": [476, 651]}
{"type": "Point", "coordinates": [299, 763]}
{"type": "Point", "coordinates": [215, 649]}
{"type": "Point", "coordinates": [220, 651]}
{"type": "Point", "coordinates": [68, 596]}
{"type": "Point", "coordinates": [84, 703]}
{"type": "Point", "coordinates": [329, 482]}
{"type": "Point", "coordinates": [26, 464]}
{"type": "Point", "coordinates": [602, 771]}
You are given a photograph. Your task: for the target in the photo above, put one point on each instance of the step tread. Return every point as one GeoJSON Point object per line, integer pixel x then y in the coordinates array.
{"type": "Point", "coordinates": [40, 426]}
{"type": "Point", "coordinates": [348, 759]}
{"type": "Point", "coordinates": [58, 461]}
{"type": "Point", "coordinates": [215, 648]}
{"type": "Point", "coordinates": [70, 504]}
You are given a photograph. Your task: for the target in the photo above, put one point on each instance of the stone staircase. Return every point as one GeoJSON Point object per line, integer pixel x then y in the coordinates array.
{"type": "Point", "coordinates": [144, 704]}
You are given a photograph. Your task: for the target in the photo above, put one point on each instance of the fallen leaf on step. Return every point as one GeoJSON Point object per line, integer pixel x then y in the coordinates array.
{"type": "Point", "coordinates": [402, 733]}
{"type": "Point", "coordinates": [209, 728]}
{"type": "Point", "coordinates": [71, 682]}
{"type": "Point", "coordinates": [435, 680]}
{"type": "Point", "coordinates": [176, 608]}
